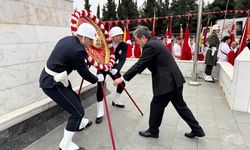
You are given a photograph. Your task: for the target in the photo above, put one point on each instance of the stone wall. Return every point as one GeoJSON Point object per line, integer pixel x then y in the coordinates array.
{"type": "Point", "coordinates": [29, 30]}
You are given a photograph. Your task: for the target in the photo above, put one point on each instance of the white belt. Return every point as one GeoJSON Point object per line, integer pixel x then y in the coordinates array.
{"type": "Point", "coordinates": [58, 77]}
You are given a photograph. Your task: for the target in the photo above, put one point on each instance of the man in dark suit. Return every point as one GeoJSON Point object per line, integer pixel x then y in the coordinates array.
{"type": "Point", "coordinates": [68, 55]}
{"type": "Point", "coordinates": [167, 84]}
{"type": "Point", "coordinates": [120, 47]}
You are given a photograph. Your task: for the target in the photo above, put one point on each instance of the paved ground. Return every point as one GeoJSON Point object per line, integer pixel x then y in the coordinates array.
{"type": "Point", "coordinates": [225, 129]}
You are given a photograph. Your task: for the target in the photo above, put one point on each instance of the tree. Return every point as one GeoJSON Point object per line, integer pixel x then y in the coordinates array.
{"type": "Point", "coordinates": [242, 5]}
{"type": "Point", "coordinates": [220, 5]}
{"type": "Point", "coordinates": [181, 7]}
{"type": "Point", "coordinates": [98, 11]}
{"type": "Point", "coordinates": [149, 8]}
{"type": "Point", "coordinates": [87, 5]}
{"type": "Point", "coordinates": [120, 10]}
{"type": "Point", "coordinates": [104, 13]}
{"type": "Point", "coordinates": [109, 10]}
{"type": "Point", "coordinates": [166, 10]}
{"type": "Point", "coordinates": [127, 9]}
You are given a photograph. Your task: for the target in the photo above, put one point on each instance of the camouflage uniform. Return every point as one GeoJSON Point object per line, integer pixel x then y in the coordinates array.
{"type": "Point", "coordinates": [210, 59]}
{"type": "Point", "coordinates": [213, 41]}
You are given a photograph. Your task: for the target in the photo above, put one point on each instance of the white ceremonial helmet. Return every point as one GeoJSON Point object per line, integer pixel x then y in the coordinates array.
{"type": "Point", "coordinates": [87, 30]}
{"type": "Point", "coordinates": [216, 27]}
{"type": "Point", "coordinates": [115, 31]}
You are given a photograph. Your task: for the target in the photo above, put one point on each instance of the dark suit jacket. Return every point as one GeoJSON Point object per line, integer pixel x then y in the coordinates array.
{"type": "Point", "coordinates": [120, 55]}
{"type": "Point", "coordinates": [68, 55]}
{"type": "Point", "coordinates": [166, 75]}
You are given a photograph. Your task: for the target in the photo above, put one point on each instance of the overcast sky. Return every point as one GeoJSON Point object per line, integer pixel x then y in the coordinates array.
{"type": "Point", "coordinates": [94, 4]}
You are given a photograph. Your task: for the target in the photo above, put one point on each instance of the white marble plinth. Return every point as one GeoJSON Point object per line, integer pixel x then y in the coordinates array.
{"type": "Point", "coordinates": [235, 82]}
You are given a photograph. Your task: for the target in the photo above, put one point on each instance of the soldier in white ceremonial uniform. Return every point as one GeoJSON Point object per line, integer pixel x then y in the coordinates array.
{"type": "Point", "coordinates": [120, 47]}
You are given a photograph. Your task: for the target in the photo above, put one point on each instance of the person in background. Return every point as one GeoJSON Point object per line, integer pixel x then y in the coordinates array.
{"type": "Point", "coordinates": [234, 46]}
{"type": "Point", "coordinates": [165, 40]}
{"type": "Point", "coordinates": [247, 46]}
{"type": "Point", "coordinates": [177, 49]}
{"type": "Point", "coordinates": [167, 81]}
{"type": "Point", "coordinates": [224, 49]}
{"type": "Point", "coordinates": [211, 53]}
{"type": "Point", "coordinates": [68, 55]}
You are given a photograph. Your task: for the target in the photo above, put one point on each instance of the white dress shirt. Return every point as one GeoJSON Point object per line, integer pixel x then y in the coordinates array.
{"type": "Point", "coordinates": [224, 49]}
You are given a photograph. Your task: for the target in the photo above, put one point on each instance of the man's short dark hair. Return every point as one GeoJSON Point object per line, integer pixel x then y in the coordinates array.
{"type": "Point", "coordinates": [225, 38]}
{"type": "Point", "coordinates": [140, 31]}
{"type": "Point", "coordinates": [179, 38]}
{"type": "Point", "coordinates": [248, 43]}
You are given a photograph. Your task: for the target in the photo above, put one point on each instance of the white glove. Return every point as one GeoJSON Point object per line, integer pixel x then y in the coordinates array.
{"type": "Point", "coordinates": [100, 77]}
{"type": "Point", "coordinates": [213, 50]}
{"type": "Point", "coordinates": [113, 71]}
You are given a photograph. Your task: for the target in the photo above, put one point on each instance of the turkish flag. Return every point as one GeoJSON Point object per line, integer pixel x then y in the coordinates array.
{"type": "Point", "coordinates": [243, 39]}
{"type": "Point", "coordinates": [166, 33]}
{"type": "Point", "coordinates": [232, 31]}
{"type": "Point", "coordinates": [231, 57]}
{"type": "Point", "coordinates": [186, 53]}
{"type": "Point", "coordinates": [169, 42]}
{"type": "Point", "coordinates": [127, 39]}
{"type": "Point", "coordinates": [137, 50]}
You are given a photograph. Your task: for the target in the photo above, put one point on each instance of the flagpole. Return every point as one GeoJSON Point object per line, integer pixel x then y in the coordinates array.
{"type": "Point", "coordinates": [224, 20]}
{"type": "Point", "coordinates": [194, 73]}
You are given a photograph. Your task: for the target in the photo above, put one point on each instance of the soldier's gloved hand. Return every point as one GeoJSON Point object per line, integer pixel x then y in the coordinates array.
{"type": "Point", "coordinates": [100, 77]}
{"type": "Point", "coordinates": [113, 71]}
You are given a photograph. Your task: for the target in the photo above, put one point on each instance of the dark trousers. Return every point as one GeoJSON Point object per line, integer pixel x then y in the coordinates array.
{"type": "Point", "coordinates": [158, 105]}
{"type": "Point", "coordinates": [69, 101]}
{"type": "Point", "coordinates": [99, 94]}
{"type": "Point", "coordinates": [208, 70]}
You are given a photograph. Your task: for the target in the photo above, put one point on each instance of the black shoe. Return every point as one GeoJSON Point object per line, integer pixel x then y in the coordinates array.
{"type": "Point", "coordinates": [147, 133]}
{"type": "Point", "coordinates": [194, 134]}
{"type": "Point", "coordinates": [118, 105]}
{"type": "Point", "coordinates": [80, 148]}
{"type": "Point", "coordinates": [98, 120]}
{"type": "Point", "coordinates": [89, 124]}
{"type": "Point", "coordinates": [212, 81]}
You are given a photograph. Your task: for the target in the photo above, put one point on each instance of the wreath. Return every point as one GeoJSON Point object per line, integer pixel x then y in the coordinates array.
{"type": "Point", "coordinates": [101, 53]}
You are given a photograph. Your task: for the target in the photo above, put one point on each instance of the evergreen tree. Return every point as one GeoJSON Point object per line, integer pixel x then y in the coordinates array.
{"type": "Point", "coordinates": [104, 14]}
{"type": "Point", "coordinates": [160, 8]}
{"type": "Point", "coordinates": [147, 11]}
{"type": "Point", "coordinates": [149, 8]}
{"type": "Point", "coordinates": [160, 23]}
{"type": "Point", "coordinates": [120, 10]}
{"type": "Point", "coordinates": [181, 7]}
{"type": "Point", "coordinates": [242, 5]}
{"type": "Point", "coordinates": [127, 9]}
{"type": "Point", "coordinates": [87, 5]}
{"type": "Point", "coordinates": [220, 5]}
{"type": "Point", "coordinates": [166, 10]}
{"type": "Point", "coordinates": [98, 11]}
{"type": "Point", "coordinates": [109, 10]}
